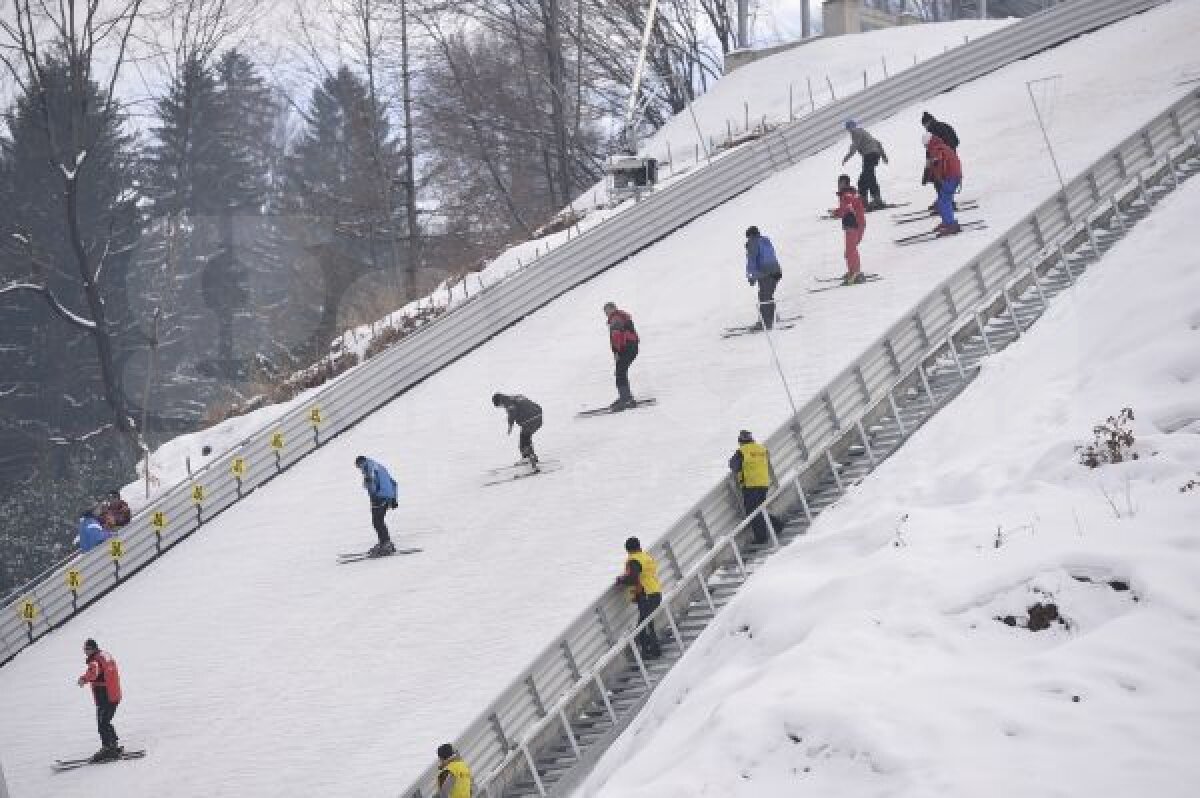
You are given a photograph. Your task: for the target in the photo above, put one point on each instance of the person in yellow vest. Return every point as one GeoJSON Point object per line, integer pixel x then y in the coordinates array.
{"type": "Point", "coordinates": [752, 465]}
{"type": "Point", "coordinates": [641, 578]}
{"type": "Point", "coordinates": [454, 777]}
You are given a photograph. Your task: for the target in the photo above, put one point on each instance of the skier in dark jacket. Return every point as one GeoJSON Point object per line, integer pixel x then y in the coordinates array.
{"type": "Point", "coordinates": [872, 152]}
{"type": "Point", "coordinates": [527, 415]}
{"type": "Point", "coordinates": [944, 132]}
{"type": "Point", "coordinates": [624, 340]}
{"type": "Point", "coordinates": [381, 490]}
{"type": "Point", "coordinates": [763, 269]}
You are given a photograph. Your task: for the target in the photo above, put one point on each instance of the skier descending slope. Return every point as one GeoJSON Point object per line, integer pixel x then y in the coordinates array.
{"type": "Point", "coordinates": [763, 269]}
{"type": "Point", "coordinates": [105, 680]}
{"type": "Point", "coordinates": [624, 341]}
{"type": "Point", "coordinates": [946, 170]}
{"type": "Point", "coordinates": [854, 224]}
{"type": "Point", "coordinates": [527, 415]}
{"type": "Point", "coordinates": [381, 490]}
{"type": "Point", "coordinates": [871, 150]}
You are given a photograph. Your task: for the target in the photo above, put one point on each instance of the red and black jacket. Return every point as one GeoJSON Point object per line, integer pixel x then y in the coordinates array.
{"type": "Point", "coordinates": [621, 332]}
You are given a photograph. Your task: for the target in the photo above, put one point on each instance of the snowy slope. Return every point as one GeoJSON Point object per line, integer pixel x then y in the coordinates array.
{"type": "Point", "coordinates": [255, 666]}
{"type": "Point", "coordinates": [865, 660]}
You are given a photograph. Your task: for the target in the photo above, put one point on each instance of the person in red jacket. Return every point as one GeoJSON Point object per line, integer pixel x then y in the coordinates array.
{"type": "Point", "coordinates": [105, 680]}
{"type": "Point", "coordinates": [946, 170]}
{"type": "Point", "coordinates": [853, 214]}
{"type": "Point", "coordinates": [624, 341]}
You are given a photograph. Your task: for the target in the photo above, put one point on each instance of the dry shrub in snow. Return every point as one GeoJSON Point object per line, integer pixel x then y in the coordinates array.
{"type": "Point", "coordinates": [1113, 442]}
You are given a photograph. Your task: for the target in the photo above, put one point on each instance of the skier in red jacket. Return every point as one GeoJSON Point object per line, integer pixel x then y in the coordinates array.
{"type": "Point", "coordinates": [624, 341]}
{"type": "Point", "coordinates": [946, 170]}
{"type": "Point", "coordinates": [853, 214]}
{"type": "Point", "coordinates": [104, 677]}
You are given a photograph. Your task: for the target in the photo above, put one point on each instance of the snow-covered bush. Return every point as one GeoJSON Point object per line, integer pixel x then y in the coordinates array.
{"type": "Point", "coordinates": [1113, 442]}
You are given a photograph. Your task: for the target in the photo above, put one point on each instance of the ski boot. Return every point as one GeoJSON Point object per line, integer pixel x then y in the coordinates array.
{"type": "Point", "coordinates": [108, 753]}
{"type": "Point", "coordinates": [382, 549]}
{"type": "Point", "coordinates": [947, 229]}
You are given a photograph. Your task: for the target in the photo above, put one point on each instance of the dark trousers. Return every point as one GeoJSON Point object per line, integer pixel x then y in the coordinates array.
{"type": "Point", "coordinates": [105, 710]}
{"type": "Point", "coordinates": [647, 640]}
{"type": "Point", "coordinates": [752, 499]}
{"type": "Point", "coordinates": [766, 298]}
{"type": "Point", "coordinates": [526, 442]}
{"type": "Point", "coordinates": [625, 359]}
{"type": "Point", "coordinates": [867, 182]}
{"type": "Point", "coordinates": [378, 511]}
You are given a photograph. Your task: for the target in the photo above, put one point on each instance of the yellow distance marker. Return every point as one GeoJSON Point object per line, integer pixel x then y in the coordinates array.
{"type": "Point", "coordinates": [74, 580]}
{"type": "Point", "coordinates": [116, 548]}
{"type": "Point", "coordinates": [28, 610]}
{"type": "Point", "coordinates": [314, 415]}
{"type": "Point", "coordinates": [238, 467]}
{"type": "Point", "coordinates": [158, 520]}
{"type": "Point", "coordinates": [277, 440]}
{"type": "Point", "coordinates": [197, 493]}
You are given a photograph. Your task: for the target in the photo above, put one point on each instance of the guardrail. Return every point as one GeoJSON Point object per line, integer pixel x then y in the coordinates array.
{"type": "Point", "coordinates": [270, 451]}
{"type": "Point", "coordinates": [811, 451]}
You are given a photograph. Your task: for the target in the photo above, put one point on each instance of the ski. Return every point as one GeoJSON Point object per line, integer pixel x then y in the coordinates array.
{"type": "Point", "coordinates": [828, 215]}
{"type": "Point", "coordinates": [920, 216]}
{"type": "Point", "coordinates": [733, 332]}
{"type": "Point", "coordinates": [523, 464]}
{"type": "Point", "coordinates": [356, 556]}
{"type": "Point", "coordinates": [71, 764]}
{"type": "Point", "coordinates": [604, 411]}
{"type": "Point", "coordinates": [978, 224]}
{"type": "Point", "coordinates": [525, 475]}
{"type": "Point", "coordinates": [871, 278]}
{"type": "Point", "coordinates": [778, 321]}
{"type": "Point", "coordinates": [868, 275]}
{"type": "Point", "coordinates": [916, 215]}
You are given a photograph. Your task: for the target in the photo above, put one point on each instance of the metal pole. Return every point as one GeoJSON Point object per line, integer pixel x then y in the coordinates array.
{"type": "Point", "coordinates": [778, 366]}
{"type": "Point", "coordinates": [805, 20]}
{"type": "Point", "coordinates": [1037, 112]}
{"type": "Point", "coordinates": [743, 13]}
{"type": "Point", "coordinates": [983, 9]}
{"type": "Point", "coordinates": [637, 75]}
{"type": "Point", "coordinates": [3, 783]}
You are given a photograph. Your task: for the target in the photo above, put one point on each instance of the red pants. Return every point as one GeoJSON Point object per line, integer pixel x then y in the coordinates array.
{"type": "Point", "coordinates": [853, 237]}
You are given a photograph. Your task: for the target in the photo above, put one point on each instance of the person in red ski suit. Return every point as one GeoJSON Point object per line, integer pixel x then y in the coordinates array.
{"type": "Point", "coordinates": [853, 214]}
{"type": "Point", "coordinates": [946, 170]}
{"type": "Point", "coordinates": [623, 339]}
{"type": "Point", "coordinates": [105, 679]}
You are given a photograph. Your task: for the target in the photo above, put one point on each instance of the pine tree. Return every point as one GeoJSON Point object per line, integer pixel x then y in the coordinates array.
{"type": "Point", "coordinates": [335, 179]}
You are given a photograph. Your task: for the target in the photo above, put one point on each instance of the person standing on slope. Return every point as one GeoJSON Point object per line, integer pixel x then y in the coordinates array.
{"type": "Point", "coordinates": [944, 167]}
{"type": "Point", "coordinates": [114, 511]}
{"type": "Point", "coordinates": [91, 531]}
{"type": "Point", "coordinates": [641, 578]}
{"type": "Point", "coordinates": [763, 270]}
{"type": "Point", "coordinates": [751, 463]}
{"type": "Point", "coordinates": [105, 679]}
{"type": "Point", "coordinates": [947, 134]}
{"type": "Point", "coordinates": [624, 340]}
{"type": "Point", "coordinates": [454, 777]}
{"type": "Point", "coordinates": [527, 415]}
{"type": "Point", "coordinates": [381, 489]}
{"type": "Point", "coordinates": [872, 152]}
{"type": "Point", "coordinates": [854, 224]}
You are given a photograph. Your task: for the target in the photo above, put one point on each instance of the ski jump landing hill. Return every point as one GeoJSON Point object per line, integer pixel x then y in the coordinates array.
{"type": "Point", "coordinates": [404, 636]}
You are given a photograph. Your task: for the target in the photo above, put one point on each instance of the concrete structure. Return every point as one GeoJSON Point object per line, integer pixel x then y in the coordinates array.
{"type": "Point", "coordinates": [736, 59]}
{"type": "Point", "coordinates": [855, 16]}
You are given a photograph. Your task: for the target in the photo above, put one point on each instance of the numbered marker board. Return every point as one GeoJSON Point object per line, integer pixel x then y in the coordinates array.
{"type": "Point", "coordinates": [197, 493]}
{"type": "Point", "coordinates": [28, 610]}
{"type": "Point", "coordinates": [158, 520]}
{"type": "Point", "coordinates": [314, 416]}
{"type": "Point", "coordinates": [74, 580]}
{"type": "Point", "coordinates": [238, 467]}
{"type": "Point", "coordinates": [277, 441]}
{"type": "Point", "coordinates": [116, 548]}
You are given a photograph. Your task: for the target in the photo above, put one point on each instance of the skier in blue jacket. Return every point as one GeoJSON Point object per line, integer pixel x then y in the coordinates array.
{"type": "Point", "coordinates": [381, 489]}
{"type": "Point", "coordinates": [762, 267]}
{"type": "Point", "coordinates": [91, 532]}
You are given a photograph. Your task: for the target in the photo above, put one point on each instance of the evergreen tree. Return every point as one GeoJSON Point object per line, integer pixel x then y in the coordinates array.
{"type": "Point", "coordinates": [338, 181]}
{"type": "Point", "coordinates": [184, 166]}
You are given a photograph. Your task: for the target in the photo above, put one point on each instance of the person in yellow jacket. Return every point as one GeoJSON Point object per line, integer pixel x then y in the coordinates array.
{"type": "Point", "coordinates": [752, 465]}
{"type": "Point", "coordinates": [641, 578]}
{"type": "Point", "coordinates": [454, 777]}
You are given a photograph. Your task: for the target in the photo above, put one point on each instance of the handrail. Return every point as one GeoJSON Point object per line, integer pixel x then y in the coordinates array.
{"type": "Point", "coordinates": [983, 281]}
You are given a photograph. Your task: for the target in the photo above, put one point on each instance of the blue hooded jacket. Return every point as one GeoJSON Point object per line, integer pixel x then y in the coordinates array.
{"type": "Point", "coordinates": [378, 482]}
{"type": "Point", "coordinates": [760, 257]}
{"type": "Point", "coordinates": [91, 532]}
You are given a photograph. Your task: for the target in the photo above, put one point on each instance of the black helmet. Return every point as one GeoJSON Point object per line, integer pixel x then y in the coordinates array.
{"type": "Point", "coordinates": [633, 544]}
{"type": "Point", "coordinates": [751, 231]}
{"type": "Point", "coordinates": [498, 399]}
{"type": "Point", "coordinates": [358, 461]}
{"type": "Point", "coordinates": [745, 436]}
{"type": "Point", "coordinates": [445, 751]}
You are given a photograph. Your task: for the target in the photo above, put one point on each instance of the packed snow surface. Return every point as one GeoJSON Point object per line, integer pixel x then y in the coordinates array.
{"type": "Point", "coordinates": [254, 665]}
{"type": "Point", "coordinates": [869, 658]}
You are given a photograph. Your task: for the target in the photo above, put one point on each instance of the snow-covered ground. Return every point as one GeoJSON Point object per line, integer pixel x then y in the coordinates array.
{"type": "Point", "coordinates": [256, 666]}
{"type": "Point", "coordinates": [867, 659]}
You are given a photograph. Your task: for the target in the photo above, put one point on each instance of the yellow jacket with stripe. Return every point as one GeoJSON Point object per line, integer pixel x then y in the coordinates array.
{"type": "Point", "coordinates": [752, 464]}
{"type": "Point", "coordinates": [454, 779]}
{"type": "Point", "coordinates": [641, 575]}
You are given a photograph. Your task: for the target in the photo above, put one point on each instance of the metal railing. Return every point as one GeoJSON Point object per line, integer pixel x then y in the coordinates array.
{"type": "Point", "coordinates": [503, 744]}
{"type": "Point", "coordinates": [271, 450]}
